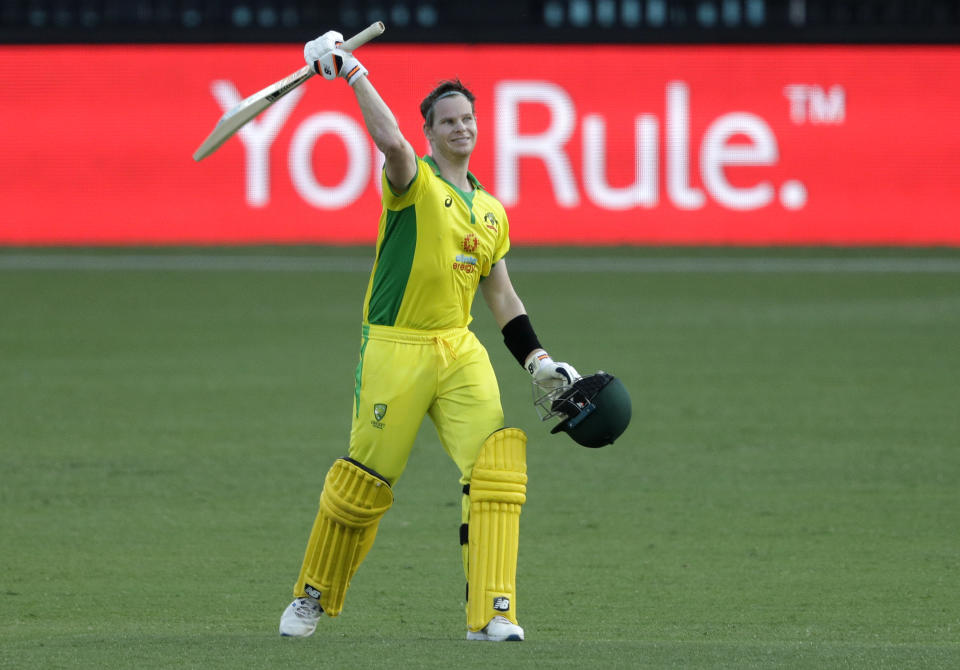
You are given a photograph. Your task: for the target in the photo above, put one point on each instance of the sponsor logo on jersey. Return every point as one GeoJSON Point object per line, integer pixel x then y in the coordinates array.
{"type": "Point", "coordinates": [465, 263]}
{"type": "Point", "coordinates": [448, 202]}
{"type": "Point", "coordinates": [490, 221]}
{"type": "Point", "coordinates": [470, 243]}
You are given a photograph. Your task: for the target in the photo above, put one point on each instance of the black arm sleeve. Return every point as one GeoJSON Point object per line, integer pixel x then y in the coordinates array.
{"type": "Point", "coordinates": [519, 337]}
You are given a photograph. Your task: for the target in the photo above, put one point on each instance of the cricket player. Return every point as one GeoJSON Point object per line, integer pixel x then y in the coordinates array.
{"type": "Point", "coordinates": [441, 237]}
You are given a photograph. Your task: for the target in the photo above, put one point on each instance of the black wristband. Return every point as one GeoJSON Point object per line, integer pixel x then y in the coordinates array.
{"type": "Point", "coordinates": [519, 337]}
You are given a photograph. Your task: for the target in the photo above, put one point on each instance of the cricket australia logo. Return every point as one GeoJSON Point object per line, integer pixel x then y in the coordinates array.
{"type": "Point", "coordinates": [379, 411]}
{"type": "Point", "coordinates": [501, 604]}
{"type": "Point", "coordinates": [490, 221]}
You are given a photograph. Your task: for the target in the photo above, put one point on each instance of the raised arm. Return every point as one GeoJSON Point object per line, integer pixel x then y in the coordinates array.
{"type": "Point", "coordinates": [328, 59]}
{"type": "Point", "coordinates": [400, 160]}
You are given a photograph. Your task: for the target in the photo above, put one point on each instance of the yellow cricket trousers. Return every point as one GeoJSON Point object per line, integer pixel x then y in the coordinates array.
{"type": "Point", "coordinates": [404, 375]}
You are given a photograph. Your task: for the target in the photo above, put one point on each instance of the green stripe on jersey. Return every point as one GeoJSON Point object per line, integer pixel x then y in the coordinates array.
{"type": "Point", "coordinates": [358, 375]}
{"type": "Point", "coordinates": [393, 266]}
{"type": "Point", "coordinates": [467, 198]}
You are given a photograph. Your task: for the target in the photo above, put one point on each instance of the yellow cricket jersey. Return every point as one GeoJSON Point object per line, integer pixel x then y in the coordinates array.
{"type": "Point", "coordinates": [434, 244]}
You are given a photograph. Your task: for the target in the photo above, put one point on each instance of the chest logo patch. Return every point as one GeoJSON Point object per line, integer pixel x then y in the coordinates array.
{"type": "Point", "coordinates": [491, 222]}
{"type": "Point", "coordinates": [448, 202]}
{"type": "Point", "coordinates": [470, 243]}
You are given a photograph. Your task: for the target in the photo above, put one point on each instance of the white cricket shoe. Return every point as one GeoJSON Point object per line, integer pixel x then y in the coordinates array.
{"type": "Point", "coordinates": [300, 618]}
{"type": "Point", "coordinates": [500, 629]}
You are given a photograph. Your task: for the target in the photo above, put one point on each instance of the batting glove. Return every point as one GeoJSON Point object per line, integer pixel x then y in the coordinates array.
{"type": "Point", "coordinates": [549, 374]}
{"type": "Point", "coordinates": [326, 58]}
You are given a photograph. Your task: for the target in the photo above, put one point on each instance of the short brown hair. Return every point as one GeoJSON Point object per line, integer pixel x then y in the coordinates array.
{"type": "Point", "coordinates": [442, 90]}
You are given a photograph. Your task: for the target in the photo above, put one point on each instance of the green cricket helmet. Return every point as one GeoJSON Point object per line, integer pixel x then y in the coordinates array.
{"type": "Point", "coordinates": [596, 409]}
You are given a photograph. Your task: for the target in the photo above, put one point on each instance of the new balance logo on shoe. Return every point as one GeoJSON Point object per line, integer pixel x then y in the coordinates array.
{"type": "Point", "coordinates": [501, 604]}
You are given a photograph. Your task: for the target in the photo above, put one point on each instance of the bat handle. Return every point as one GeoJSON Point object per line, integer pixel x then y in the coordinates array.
{"type": "Point", "coordinates": [373, 30]}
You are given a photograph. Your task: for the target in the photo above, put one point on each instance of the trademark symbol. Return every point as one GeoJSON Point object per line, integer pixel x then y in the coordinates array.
{"type": "Point", "coordinates": [810, 103]}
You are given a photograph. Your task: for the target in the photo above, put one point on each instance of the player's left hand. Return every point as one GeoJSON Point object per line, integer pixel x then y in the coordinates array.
{"type": "Point", "coordinates": [326, 58]}
{"type": "Point", "coordinates": [548, 373]}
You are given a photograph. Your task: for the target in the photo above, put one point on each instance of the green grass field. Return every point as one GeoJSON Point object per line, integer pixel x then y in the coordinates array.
{"type": "Point", "coordinates": [786, 496]}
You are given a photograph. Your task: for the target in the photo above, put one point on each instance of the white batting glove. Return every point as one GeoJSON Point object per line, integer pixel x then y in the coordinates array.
{"type": "Point", "coordinates": [315, 50]}
{"type": "Point", "coordinates": [326, 58]}
{"type": "Point", "coordinates": [547, 373]}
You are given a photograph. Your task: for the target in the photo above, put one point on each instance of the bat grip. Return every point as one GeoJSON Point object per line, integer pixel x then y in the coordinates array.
{"type": "Point", "coordinates": [373, 30]}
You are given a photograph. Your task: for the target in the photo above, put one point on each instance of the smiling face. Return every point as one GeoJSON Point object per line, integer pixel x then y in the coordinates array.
{"type": "Point", "coordinates": [453, 132]}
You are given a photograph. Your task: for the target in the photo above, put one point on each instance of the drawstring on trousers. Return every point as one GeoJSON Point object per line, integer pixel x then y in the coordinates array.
{"type": "Point", "coordinates": [443, 347]}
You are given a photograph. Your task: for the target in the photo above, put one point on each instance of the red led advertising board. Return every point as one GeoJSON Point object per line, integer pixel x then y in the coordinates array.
{"type": "Point", "coordinates": [600, 145]}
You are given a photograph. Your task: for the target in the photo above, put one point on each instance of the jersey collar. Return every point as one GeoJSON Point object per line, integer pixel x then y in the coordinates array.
{"type": "Point", "coordinates": [436, 170]}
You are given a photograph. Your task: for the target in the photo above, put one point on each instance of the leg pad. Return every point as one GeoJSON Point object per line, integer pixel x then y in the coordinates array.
{"type": "Point", "coordinates": [498, 488]}
{"type": "Point", "coordinates": [352, 503]}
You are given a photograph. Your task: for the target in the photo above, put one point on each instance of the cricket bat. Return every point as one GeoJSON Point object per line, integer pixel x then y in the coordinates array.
{"type": "Point", "coordinates": [248, 108]}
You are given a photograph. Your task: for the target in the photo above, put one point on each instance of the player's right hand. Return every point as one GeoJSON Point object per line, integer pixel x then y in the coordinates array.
{"type": "Point", "coordinates": [319, 54]}
{"type": "Point", "coordinates": [326, 58]}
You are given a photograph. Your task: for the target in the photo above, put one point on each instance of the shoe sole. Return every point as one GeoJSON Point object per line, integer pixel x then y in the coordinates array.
{"type": "Point", "coordinates": [483, 637]}
{"type": "Point", "coordinates": [305, 633]}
